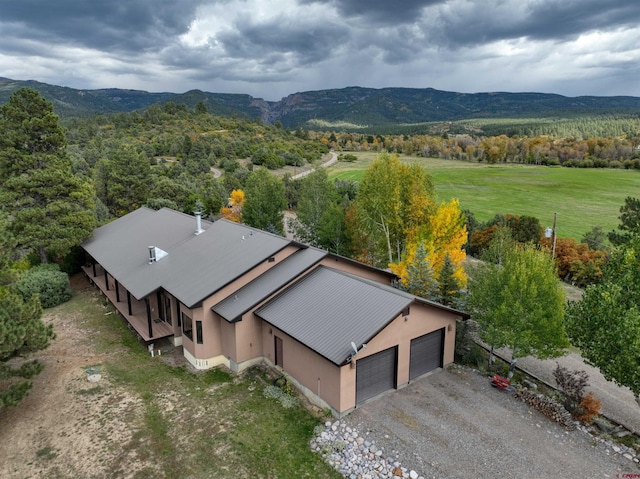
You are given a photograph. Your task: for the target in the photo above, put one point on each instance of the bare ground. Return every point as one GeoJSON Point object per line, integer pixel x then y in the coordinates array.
{"type": "Point", "coordinates": [453, 424]}
{"type": "Point", "coordinates": [68, 426]}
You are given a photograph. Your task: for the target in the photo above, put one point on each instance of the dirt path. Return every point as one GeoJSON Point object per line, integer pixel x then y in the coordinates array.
{"type": "Point", "coordinates": [66, 422]}
{"type": "Point", "coordinates": [331, 161]}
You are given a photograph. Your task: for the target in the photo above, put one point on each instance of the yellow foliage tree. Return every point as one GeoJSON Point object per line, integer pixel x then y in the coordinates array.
{"type": "Point", "coordinates": [443, 234]}
{"type": "Point", "coordinates": [233, 211]}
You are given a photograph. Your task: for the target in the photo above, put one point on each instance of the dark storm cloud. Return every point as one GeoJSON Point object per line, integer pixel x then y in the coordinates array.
{"type": "Point", "coordinates": [471, 23]}
{"type": "Point", "coordinates": [380, 11]}
{"type": "Point", "coordinates": [122, 25]}
{"type": "Point", "coordinates": [306, 41]}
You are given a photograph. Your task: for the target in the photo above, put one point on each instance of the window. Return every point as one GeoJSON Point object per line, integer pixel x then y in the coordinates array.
{"type": "Point", "coordinates": [199, 332]}
{"type": "Point", "coordinates": [167, 309]}
{"type": "Point", "coordinates": [187, 326]}
{"type": "Point", "coordinates": [405, 311]}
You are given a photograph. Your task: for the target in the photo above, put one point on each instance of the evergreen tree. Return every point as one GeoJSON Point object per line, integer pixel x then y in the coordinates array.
{"type": "Point", "coordinates": [420, 279]}
{"type": "Point", "coordinates": [21, 329]}
{"type": "Point", "coordinates": [629, 222]}
{"type": "Point", "coordinates": [51, 208]}
{"type": "Point", "coordinates": [125, 180]}
{"type": "Point", "coordinates": [448, 284]}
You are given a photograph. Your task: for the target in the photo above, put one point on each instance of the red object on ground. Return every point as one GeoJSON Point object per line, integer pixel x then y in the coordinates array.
{"type": "Point", "coordinates": [500, 382]}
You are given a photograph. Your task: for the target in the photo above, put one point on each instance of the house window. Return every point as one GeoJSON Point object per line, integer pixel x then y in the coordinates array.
{"type": "Point", "coordinates": [405, 311]}
{"type": "Point", "coordinates": [199, 332]}
{"type": "Point", "coordinates": [187, 326]}
{"type": "Point", "coordinates": [167, 309]}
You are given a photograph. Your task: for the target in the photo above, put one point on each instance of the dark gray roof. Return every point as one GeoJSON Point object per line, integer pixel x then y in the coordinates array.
{"type": "Point", "coordinates": [328, 309]}
{"type": "Point", "coordinates": [234, 306]}
{"type": "Point", "coordinates": [122, 246]}
{"type": "Point", "coordinates": [196, 265]}
{"type": "Point", "coordinates": [206, 263]}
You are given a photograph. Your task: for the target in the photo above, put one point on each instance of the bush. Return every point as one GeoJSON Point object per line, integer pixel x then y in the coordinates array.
{"type": "Point", "coordinates": [51, 284]}
{"type": "Point", "coordinates": [572, 384]}
{"type": "Point", "coordinates": [589, 408]}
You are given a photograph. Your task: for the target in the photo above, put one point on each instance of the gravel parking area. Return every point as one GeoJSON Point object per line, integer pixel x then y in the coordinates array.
{"type": "Point", "coordinates": [453, 424]}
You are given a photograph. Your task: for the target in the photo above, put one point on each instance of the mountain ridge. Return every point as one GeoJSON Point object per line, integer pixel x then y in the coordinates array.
{"type": "Point", "coordinates": [370, 107]}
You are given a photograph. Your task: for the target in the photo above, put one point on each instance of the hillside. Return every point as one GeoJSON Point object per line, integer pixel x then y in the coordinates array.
{"type": "Point", "coordinates": [351, 108]}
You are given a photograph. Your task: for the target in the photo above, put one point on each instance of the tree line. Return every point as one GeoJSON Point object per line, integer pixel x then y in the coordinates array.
{"type": "Point", "coordinates": [570, 152]}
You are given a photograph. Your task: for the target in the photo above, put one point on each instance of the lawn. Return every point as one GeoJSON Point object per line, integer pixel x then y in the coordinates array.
{"type": "Point", "coordinates": [582, 198]}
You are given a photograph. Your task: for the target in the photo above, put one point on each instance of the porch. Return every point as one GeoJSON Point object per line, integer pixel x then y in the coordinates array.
{"type": "Point", "coordinates": [137, 313]}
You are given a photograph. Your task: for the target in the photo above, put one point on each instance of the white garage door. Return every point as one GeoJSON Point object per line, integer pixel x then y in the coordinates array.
{"type": "Point", "coordinates": [426, 353]}
{"type": "Point", "coordinates": [376, 374]}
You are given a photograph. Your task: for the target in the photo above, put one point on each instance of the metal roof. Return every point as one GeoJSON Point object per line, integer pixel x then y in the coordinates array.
{"type": "Point", "coordinates": [122, 246]}
{"type": "Point", "coordinates": [328, 309]}
{"type": "Point", "coordinates": [195, 267]}
{"type": "Point", "coordinates": [235, 305]}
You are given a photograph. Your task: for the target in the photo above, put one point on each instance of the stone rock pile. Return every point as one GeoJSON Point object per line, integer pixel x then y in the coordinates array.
{"type": "Point", "coordinates": [343, 448]}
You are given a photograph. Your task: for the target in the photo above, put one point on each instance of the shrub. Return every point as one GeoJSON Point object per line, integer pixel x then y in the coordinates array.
{"type": "Point", "coordinates": [572, 384]}
{"type": "Point", "coordinates": [274, 392]}
{"type": "Point", "coordinates": [589, 408]}
{"type": "Point", "coordinates": [51, 284]}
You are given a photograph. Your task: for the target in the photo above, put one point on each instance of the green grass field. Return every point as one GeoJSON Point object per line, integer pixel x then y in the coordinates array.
{"type": "Point", "coordinates": [583, 198]}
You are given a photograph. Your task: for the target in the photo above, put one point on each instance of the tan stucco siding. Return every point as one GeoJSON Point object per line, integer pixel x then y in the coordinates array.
{"type": "Point", "coordinates": [220, 337]}
{"type": "Point", "coordinates": [316, 373]}
{"type": "Point", "coordinates": [359, 270]}
{"type": "Point", "coordinates": [249, 276]}
{"type": "Point", "coordinates": [248, 338]}
{"type": "Point", "coordinates": [212, 344]}
{"type": "Point", "coordinates": [422, 320]}
{"type": "Point", "coordinates": [227, 337]}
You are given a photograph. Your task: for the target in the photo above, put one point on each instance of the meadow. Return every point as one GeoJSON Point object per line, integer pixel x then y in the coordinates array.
{"type": "Point", "coordinates": [582, 198]}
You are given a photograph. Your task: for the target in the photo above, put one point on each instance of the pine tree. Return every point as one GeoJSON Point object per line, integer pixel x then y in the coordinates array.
{"type": "Point", "coordinates": [419, 278]}
{"type": "Point", "coordinates": [448, 284]}
{"type": "Point", "coordinates": [21, 329]}
{"type": "Point", "coordinates": [51, 208]}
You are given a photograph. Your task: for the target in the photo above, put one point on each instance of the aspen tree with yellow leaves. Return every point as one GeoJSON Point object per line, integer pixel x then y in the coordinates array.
{"type": "Point", "coordinates": [233, 211]}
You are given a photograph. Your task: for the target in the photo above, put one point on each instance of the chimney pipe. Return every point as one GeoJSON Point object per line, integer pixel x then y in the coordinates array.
{"type": "Point", "coordinates": [152, 254]}
{"type": "Point", "coordinates": [198, 222]}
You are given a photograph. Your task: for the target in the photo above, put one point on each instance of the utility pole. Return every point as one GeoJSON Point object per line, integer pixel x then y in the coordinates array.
{"type": "Point", "coordinates": [551, 232]}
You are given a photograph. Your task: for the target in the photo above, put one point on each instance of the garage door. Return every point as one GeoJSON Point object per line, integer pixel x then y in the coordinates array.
{"type": "Point", "coordinates": [426, 353]}
{"type": "Point", "coordinates": [376, 374]}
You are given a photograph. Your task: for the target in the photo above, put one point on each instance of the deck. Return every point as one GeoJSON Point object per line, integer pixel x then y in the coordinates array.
{"type": "Point", "coordinates": [138, 318]}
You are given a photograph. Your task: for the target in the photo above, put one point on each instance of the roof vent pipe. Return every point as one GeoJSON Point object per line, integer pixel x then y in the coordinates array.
{"type": "Point", "coordinates": [198, 222]}
{"type": "Point", "coordinates": [152, 254]}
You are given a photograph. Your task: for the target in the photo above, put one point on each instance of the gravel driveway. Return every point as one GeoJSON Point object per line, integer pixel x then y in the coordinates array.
{"type": "Point", "coordinates": [453, 424]}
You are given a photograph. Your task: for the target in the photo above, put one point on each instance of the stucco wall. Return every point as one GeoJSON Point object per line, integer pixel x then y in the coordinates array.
{"type": "Point", "coordinates": [317, 374]}
{"type": "Point", "coordinates": [360, 270]}
{"type": "Point", "coordinates": [219, 337]}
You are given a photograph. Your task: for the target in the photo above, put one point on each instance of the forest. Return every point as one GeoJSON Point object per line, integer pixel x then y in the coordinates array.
{"type": "Point", "coordinates": [621, 151]}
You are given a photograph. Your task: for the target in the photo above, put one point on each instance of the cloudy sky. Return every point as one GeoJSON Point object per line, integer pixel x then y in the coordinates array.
{"type": "Point", "coordinates": [271, 48]}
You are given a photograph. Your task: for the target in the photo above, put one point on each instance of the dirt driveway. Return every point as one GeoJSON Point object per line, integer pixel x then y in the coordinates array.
{"type": "Point", "coordinates": [453, 424]}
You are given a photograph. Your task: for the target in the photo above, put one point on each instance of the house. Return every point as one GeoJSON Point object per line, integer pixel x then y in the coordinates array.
{"type": "Point", "coordinates": [236, 296]}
